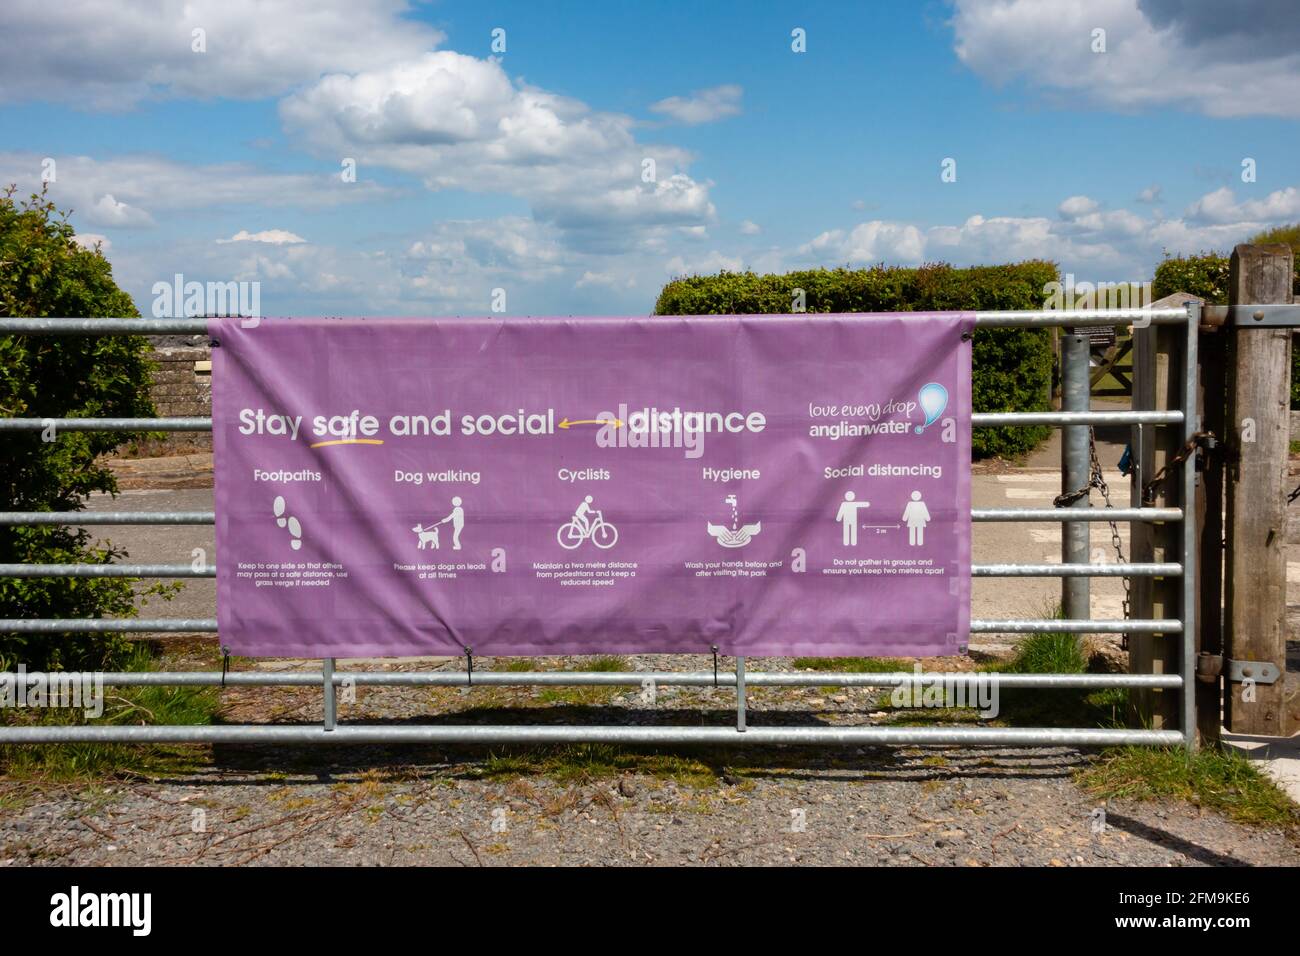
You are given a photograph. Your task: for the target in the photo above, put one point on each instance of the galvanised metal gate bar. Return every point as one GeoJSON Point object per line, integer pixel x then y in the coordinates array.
{"type": "Point", "coordinates": [328, 678]}
{"type": "Point", "coordinates": [1152, 570]}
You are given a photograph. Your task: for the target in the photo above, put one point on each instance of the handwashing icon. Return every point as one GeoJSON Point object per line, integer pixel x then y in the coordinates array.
{"type": "Point", "coordinates": [737, 536]}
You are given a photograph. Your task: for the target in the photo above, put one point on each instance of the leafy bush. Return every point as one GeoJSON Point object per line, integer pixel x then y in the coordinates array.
{"type": "Point", "coordinates": [1206, 276]}
{"type": "Point", "coordinates": [43, 272]}
{"type": "Point", "coordinates": [1012, 367]}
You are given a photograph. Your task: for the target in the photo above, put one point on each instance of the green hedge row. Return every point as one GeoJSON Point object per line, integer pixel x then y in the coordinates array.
{"type": "Point", "coordinates": [1012, 367]}
{"type": "Point", "coordinates": [1206, 276]}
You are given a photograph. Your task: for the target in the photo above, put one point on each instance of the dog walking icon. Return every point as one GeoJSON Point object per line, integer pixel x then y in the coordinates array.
{"type": "Point", "coordinates": [430, 534]}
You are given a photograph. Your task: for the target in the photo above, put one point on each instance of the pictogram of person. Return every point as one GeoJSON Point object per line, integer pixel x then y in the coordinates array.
{"type": "Point", "coordinates": [457, 519]}
{"type": "Point", "coordinates": [916, 516]}
{"type": "Point", "coordinates": [581, 513]}
{"type": "Point", "coordinates": [848, 517]}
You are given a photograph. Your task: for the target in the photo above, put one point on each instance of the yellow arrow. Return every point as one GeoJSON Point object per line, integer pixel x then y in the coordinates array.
{"type": "Point", "coordinates": [593, 421]}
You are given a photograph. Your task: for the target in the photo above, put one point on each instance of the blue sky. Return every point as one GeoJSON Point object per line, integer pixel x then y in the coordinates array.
{"type": "Point", "coordinates": [524, 170]}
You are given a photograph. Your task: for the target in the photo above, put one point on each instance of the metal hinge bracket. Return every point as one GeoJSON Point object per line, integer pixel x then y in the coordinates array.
{"type": "Point", "coordinates": [1261, 672]}
{"type": "Point", "coordinates": [1252, 316]}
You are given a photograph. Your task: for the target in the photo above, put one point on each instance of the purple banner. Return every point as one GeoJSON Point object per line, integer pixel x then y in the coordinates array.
{"type": "Point", "coordinates": [771, 485]}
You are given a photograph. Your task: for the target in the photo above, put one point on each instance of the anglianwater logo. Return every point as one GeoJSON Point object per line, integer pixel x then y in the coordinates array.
{"type": "Point", "coordinates": [74, 909]}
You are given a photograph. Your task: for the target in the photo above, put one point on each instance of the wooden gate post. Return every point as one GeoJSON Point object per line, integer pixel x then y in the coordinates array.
{"type": "Point", "coordinates": [1259, 401]}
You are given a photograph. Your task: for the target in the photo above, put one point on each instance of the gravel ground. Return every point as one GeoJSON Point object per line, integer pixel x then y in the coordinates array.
{"type": "Point", "coordinates": [908, 808]}
{"type": "Point", "coordinates": [379, 805]}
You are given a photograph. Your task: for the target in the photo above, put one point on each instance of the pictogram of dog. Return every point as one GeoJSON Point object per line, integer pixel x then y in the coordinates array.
{"type": "Point", "coordinates": [427, 535]}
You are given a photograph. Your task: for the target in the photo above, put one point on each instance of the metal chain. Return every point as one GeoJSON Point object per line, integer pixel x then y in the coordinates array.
{"type": "Point", "coordinates": [1097, 480]}
{"type": "Point", "coordinates": [1197, 440]}
{"type": "Point", "coordinates": [1100, 483]}
{"type": "Point", "coordinates": [1294, 495]}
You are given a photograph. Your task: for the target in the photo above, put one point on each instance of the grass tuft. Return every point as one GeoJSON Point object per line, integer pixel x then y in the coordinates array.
{"type": "Point", "coordinates": [1054, 653]}
{"type": "Point", "coordinates": [122, 706]}
{"type": "Point", "coordinates": [606, 664]}
{"type": "Point", "coordinates": [583, 695]}
{"type": "Point", "coordinates": [581, 763]}
{"type": "Point", "coordinates": [852, 665]}
{"type": "Point", "coordinates": [1224, 781]}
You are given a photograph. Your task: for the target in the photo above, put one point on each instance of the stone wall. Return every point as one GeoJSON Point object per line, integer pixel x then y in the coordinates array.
{"type": "Point", "coordinates": [182, 383]}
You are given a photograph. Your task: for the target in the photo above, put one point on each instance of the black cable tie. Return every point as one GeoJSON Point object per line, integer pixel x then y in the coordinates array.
{"type": "Point", "coordinates": [225, 663]}
{"type": "Point", "coordinates": [715, 665]}
{"type": "Point", "coordinates": [469, 670]}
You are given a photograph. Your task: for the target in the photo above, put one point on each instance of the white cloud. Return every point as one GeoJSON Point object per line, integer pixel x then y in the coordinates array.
{"type": "Point", "coordinates": [1084, 238]}
{"type": "Point", "coordinates": [89, 240]}
{"type": "Point", "coordinates": [140, 191]}
{"type": "Point", "coordinates": [604, 279]}
{"type": "Point", "coordinates": [750, 228]}
{"type": "Point", "coordinates": [713, 261]}
{"type": "Point", "coordinates": [511, 247]}
{"type": "Point", "coordinates": [109, 211]}
{"type": "Point", "coordinates": [702, 106]}
{"type": "Point", "coordinates": [450, 268]}
{"type": "Point", "coordinates": [1149, 195]}
{"type": "Point", "coordinates": [1221, 206]}
{"type": "Point", "coordinates": [1157, 52]}
{"type": "Point", "coordinates": [870, 242]}
{"type": "Point", "coordinates": [361, 82]}
{"type": "Point", "coordinates": [453, 266]}
{"type": "Point", "coordinates": [276, 237]}
{"type": "Point", "coordinates": [1077, 206]}
{"type": "Point", "coordinates": [111, 55]}
{"type": "Point", "coordinates": [258, 268]}
{"type": "Point", "coordinates": [460, 122]}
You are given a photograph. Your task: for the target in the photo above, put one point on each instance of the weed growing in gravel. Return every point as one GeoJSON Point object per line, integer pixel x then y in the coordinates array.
{"type": "Point", "coordinates": [122, 706]}
{"type": "Point", "coordinates": [582, 696]}
{"type": "Point", "coordinates": [581, 763]}
{"type": "Point", "coordinates": [1218, 780]}
{"type": "Point", "coordinates": [606, 664]}
{"type": "Point", "coordinates": [1054, 653]}
{"type": "Point", "coordinates": [852, 665]}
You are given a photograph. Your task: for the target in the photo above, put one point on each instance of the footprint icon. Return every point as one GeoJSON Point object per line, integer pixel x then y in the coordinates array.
{"type": "Point", "coordinates": [292, 523]}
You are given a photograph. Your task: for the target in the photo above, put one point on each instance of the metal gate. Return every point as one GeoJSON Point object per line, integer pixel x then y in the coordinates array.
{"type": "Point", "coordinates": [1076, 422]}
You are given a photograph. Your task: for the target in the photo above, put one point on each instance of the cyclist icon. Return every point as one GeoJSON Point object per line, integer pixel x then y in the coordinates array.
{"type": "Point", "coordinates": [587, 524]}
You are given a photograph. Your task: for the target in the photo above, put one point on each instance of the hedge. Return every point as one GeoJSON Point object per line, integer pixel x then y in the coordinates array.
{"type": "Point", "coordinates": [1206, 276]}
{"type": "Point", "coordinates": [1012, 367]}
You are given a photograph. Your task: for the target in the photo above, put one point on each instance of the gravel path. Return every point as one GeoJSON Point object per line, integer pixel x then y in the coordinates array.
{"type": "Point", "coordinates": [907, 808]}
{"type": "Point", "coordinates": [425, 805]}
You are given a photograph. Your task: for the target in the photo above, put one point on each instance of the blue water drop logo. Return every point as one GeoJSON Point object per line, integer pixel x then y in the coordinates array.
{"type": "Point", "coordinates": [934, 399]}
